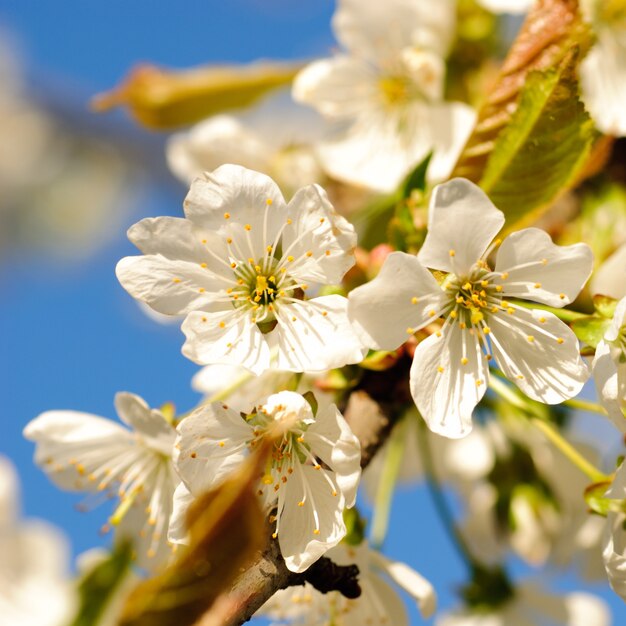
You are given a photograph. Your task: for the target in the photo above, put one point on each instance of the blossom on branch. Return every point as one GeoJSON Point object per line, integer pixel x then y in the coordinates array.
{"type": "Point", "coordinates": [386, 93]}
{"type": "Point", "coordinates": [83, 452]}
{"type": "Point", "coordinates": [379, 603]}
{"type": "Point", "coordinates": [311, 477]}
{"type": "Point", "coordinates": [239, 267]}
{"type": "Point", "coordinates": [481, 319]}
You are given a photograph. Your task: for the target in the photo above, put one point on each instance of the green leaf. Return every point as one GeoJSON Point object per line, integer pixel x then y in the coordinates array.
{"type": "Point", "coordinates": [355, 527]}
{"type": "Point", "coordinates": [591, 329]}
{"type": "Point", "coordinates": [416, 179]}
{"type": "Point", "coordinates": [98, 586]}
{"type": "Point", "coordinates": [594, 497]}
{"type": "Point", "coordinates": [545, 146]}
{"type": "Point", "coordinates": [604, 305]}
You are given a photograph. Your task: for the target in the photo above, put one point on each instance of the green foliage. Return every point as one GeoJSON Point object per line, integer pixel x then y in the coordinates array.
{"type": "Point", "coordinates": [545, 146]}
{"type": "Point", "coordinates": [598, 503]}
{"type": "Point", "coordinates": [591, 329]}
{"type": "Point", "coordinates": [99, 585]}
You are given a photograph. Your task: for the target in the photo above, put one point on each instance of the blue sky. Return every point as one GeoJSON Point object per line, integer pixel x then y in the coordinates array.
{"type": "Point", "coordinates": [72, 337]}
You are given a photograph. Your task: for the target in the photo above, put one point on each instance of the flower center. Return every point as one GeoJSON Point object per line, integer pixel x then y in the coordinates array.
{"type": "Point", "coordinates": [473, 298]}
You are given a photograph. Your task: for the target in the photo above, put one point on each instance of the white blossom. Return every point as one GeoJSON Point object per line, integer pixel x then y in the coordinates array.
{"type": "Point", "coordinates": [34, 589]}
{"type": "Point", "coordinates": [84, 452]}
{"type": "Point", "coordinates": [450, 370]}
{"type": "Point", "coordinates": [603, 70]}
{"type": "Point", "coordinates": [378, 604]}
{"type": "Point", "coordinates": [385, 93]}
{"type": "Point", "coordinates": [274, 137]}
{"type": "Point", "coordinates": [610, 278]}
{"type": "Point", "coordinates": [311, 478]}
{"type": "Point", "coordinates": [609, 367]}
{"type": "Point", "coordinates": [532, 605]}
{"type": "Point", "coordinates": [239, 267]}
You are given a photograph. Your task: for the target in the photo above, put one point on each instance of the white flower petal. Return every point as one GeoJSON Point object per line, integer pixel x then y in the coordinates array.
{"type": "Point", "coordinates": [72, 446]}
{"type": "Point", "coordinates": [617, 490]}
{"type": "Point", "coordinates": [213, 142]}
{"type": "Point", "coordinates": [9, 495]}
{"type": "Point", "coordinates": [605, 375]}
{"type": "Point", "coordinates": [319, 338]}
{"type": "Point", "coordinates": [239, 342]}
{"type": "Point", "coordinates": [321, 240]}
{"type": "Point", "coordinates": [156, 432]}
{"type": "Point", "coordinates": [539, 353]}
{"type": "Point", "coordinates": [377, 31]}
{"type": "Point", "coordinates": [183, 498]}
{"type": "Point", "coordinates": [168, 286]}
{"type": "Point", "coordinates": [379, 603]}
{"type": "Point", "coordinates": [462, 222]}
{"type": "Point", "coordinates": [608, 279]}
{"type": "Point", "coordinates": [618, 321]}
{"type": "Point", "coordinates": [332, 440]}
{"type": "Point", "coordinates": [402, 296]}
{"type": "Point", "coordinates": [541, 271]}
{"type": "Point", "coordinates": [445, 388]}
{"type": "Point", "coordinates": [603, 83]}
{"type": "Point", "coordinates": [584, 609]}
{"type": "Point", "coordinates": [506, 6]}
{"type": "Point", "coordinates": [337, 87]}
{"type": "Point", "coordinates": [300, 545]}
{"type": "Point", "coordinates": [234, 190]}
{"type": "Point", "coordinates": [411, 581]}
{"type": "Point", "coordinates": [614, 553]}
{"type": "Point", "coordinates": [211, 444]}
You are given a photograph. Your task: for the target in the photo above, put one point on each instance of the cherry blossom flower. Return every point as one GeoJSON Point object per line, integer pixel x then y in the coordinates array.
{"type": "Point", "coordinates": [603, 70]}
{"type": "Point", "coordinates": [311, 478]}
{"type": "Point", "coordinates": [83, 452]}
{"type": "Point", "coordinates": [610, 278]}
{"type": "Point", "coordinates": [609, 367]}
{"type": "Point", "coordinates": [34, 589]}
{"type": "Point", "coordinates": [531, 605]}
{"type": "Point", "coordinates": [239, 267]}
{"type": "Point", "coordinates": [385, 93]}
{"type": "Point", "coordinates": [378, 604]}
{"type": "Point", "coordinates": [274, 137]}
{"type": "Point", "coordinates": [450, 370]}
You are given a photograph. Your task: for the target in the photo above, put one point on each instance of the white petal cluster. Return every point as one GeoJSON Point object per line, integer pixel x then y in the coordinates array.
{"type": "Point", "coordinates": [385, 93]}
{"type": "Point", "coordinates": [603, 70]}
{"type": "Point", "coordinates": [239, 267]}
{"type": "Point", "coordinates": [34, 590]}
{"type": "Point", "coordinates": [379, 603]}
{"type": "Point", "coordinates": [481, 322]}
{"type": "Point", "coordinates": [83, 452]}
{"type": "Point", "coordinates": [533, 605]}
{"type": "Point", "coordinates": [311, 478]}
{"type": "Point", "coordinates": [275, 138]}
{"type": "Point", "coordinates": [609, 368]}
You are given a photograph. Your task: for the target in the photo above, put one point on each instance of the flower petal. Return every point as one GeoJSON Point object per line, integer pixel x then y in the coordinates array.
{"type": "Point", "coordinates": [332, 440]}
{"type": "Point", "coordinates": [322, 511]}
{"type": "Point", "coordinates": [315, 335]}
{"type": "Point", "coordinates": [168, 286]}
{"type": "Point", "coordinates": [183, 498]}
{"type": "Point", "coordinates": [605, 375]}
{"type": "Point", "coordinates": [541, 271]}
{"type": "Point", "coordinates": [448, 378]}
{"type": "Point", "coordinates": [614, 553]}
{"type": "Point", "coordinates": [150, 424]}
{"type": "Point", "coordinates": [539, 353]}
{"type": "Point", "coordinates": [402, 296]}
{"type": "Point", "coordinates": [411, 581]}
{"type": "Point", "coordinates": [337, 87]}
{"type": "Point", "coordinates": [608, 279]}
{"type": "Point", "coordinates": [462, 222]}
{"type": "Point", "coordinates": [321, 240]}
{"type": "Point", "coordinates": [603, 83]}
{"type": "Point", "coordinates": [209, 144]}
{"type": "Point", "coordinates": [242, 194]}
{"type": "Point", "coordinates": [73, 446]}
{"type": "Point", "coordinates": [378, 31]}
{"type": "Point", "coordinates": [211, 443]}
{"type": "Point", "coordinates": [238, 342]}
